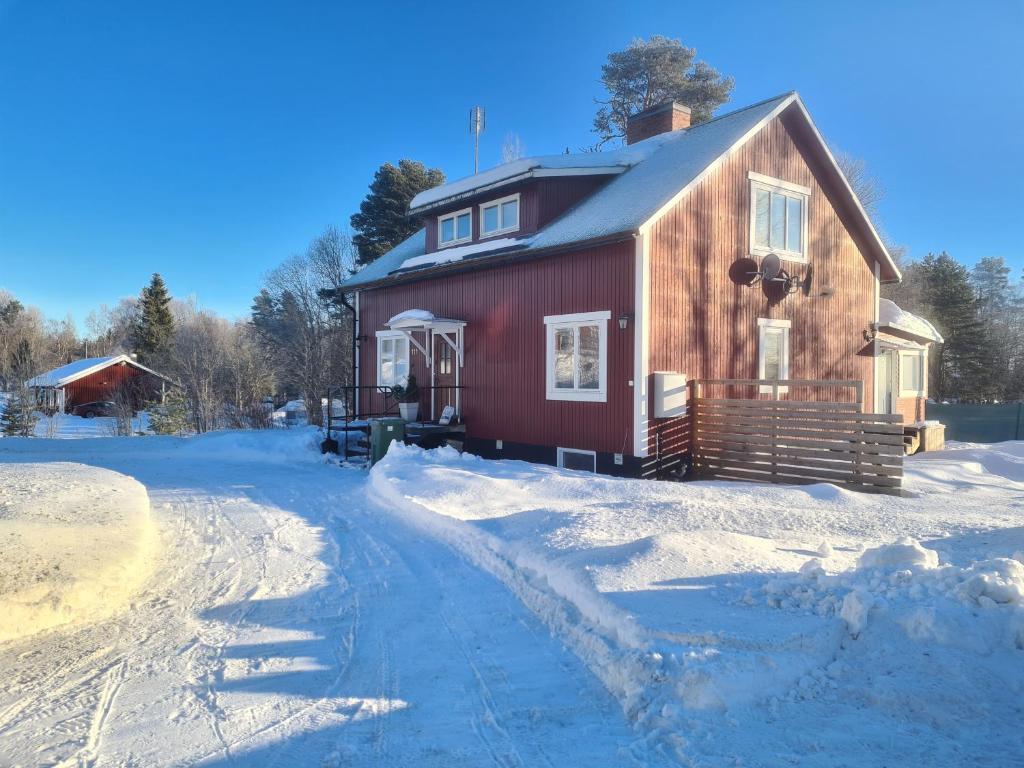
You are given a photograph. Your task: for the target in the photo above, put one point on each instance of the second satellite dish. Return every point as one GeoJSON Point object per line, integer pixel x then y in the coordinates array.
{"type": "Point", "coordinates": [771, 266]}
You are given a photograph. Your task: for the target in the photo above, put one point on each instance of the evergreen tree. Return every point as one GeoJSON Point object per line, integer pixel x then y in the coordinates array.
{"type": "Point", "coordinates": [649, 72]}
{"type": "Point", "coordinates": [19, 413]}
{"type": "Point", "coordinates": [171, 418]}
{"type": "Point", "coordinates": [383, 220]}
{"type": "Point", "coordinates": [960, 366]}
{"type": "Point", "coordinates": [155, 325]}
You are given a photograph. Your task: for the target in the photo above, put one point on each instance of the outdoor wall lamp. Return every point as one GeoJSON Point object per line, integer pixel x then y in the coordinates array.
{"type": "Point", "coordinates": [624, 321]}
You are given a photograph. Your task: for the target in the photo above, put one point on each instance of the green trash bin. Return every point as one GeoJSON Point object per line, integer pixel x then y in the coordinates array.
{"type": "Point", "coordinates": [382, 433]}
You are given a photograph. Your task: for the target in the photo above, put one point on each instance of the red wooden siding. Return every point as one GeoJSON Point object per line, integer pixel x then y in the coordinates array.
{"type": "Point", "coordinates": [102, 385]}
{"type": "Point", "coordinates": [504, 374]}
{"type": "Point", "coordinates": [540, 202]}
{"type": "Point", "coordinates": [705, 325]}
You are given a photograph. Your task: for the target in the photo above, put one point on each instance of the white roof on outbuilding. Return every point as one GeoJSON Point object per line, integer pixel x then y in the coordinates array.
{"type": "Point", "coordinates": [65, 374]}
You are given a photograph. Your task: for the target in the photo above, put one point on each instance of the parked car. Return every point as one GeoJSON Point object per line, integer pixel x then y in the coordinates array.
{"type": "Point", "coordinates": [92, 410]}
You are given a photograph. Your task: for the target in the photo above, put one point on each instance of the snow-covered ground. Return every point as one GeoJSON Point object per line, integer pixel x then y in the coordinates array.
{"type": "Point", "coordinates": [754, 625]}
{"type": "Point", "coordinates": [445, 610]}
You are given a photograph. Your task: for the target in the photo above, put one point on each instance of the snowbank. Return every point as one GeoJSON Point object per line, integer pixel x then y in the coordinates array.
{"type": "Point", "coordinates": [76, 542]}
{"type": "Point", "coordinates": [839, 615]}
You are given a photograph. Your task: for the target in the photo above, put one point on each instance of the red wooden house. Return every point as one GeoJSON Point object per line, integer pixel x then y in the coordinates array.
{"type": "Point", "coordinates": [556, 291]}
{"type": "Point", "coordinates": [97, 379]}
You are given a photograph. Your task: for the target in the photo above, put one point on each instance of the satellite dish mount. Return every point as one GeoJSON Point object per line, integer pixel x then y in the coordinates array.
{"type": "Point", "coordinates": [772, 271]}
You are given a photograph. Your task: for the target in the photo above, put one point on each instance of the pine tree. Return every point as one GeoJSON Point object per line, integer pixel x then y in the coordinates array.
{"type": "Point", "coordinates": [171, 418]}
{"type": "Point", "coordinates": [19, 414]}
{"type": "Point", "coordinates": [383, 220]}
{"type": "Point", "coordinates": [961, 364]}
{"type": "Point", "coordinates": [155, 325]}
{"type": "Point", "coordinates": [649, 72]}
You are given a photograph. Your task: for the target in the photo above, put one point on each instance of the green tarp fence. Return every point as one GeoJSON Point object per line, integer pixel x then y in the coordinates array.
{"type": "Point", "coordinates": [979, 423]}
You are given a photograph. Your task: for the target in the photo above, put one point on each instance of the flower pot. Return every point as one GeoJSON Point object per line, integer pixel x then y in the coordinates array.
{"type": "Point", "coordinates": [409, 411]}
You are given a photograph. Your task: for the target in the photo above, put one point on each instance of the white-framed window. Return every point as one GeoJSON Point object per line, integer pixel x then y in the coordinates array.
{"type": "Point", "coordinates": [772, 352]}
{"type": "Point", "coordinates": [778, 217]}
{"type": "Point", "coordinates": [392, 358]}
{"type": "Point", "coordinates": [577, 356]}
{"type": "Point", "coordinates": [573, 458]}
{"type": "Point", "coordinates": [444, 358]}
{"type": "Point", "coordinates": [455, 228]}
{"type": "Point", "coordinates": [499, 216]}
{"type": "Point", "coordinates": [913, 373]}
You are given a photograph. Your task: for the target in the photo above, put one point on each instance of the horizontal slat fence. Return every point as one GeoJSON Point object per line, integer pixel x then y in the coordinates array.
{"type": "Point", "coordinates": [799, 440]}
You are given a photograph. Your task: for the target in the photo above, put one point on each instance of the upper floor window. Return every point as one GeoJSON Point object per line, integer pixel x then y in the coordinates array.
{"type": "Point", "coordinates": [577, 356]}
{"type": "Point", "coordinates": [499, 216]}
{"type": "Point", "coordinates": [778, 217]}
{"type": "Point", "coordinates": [455, 228]}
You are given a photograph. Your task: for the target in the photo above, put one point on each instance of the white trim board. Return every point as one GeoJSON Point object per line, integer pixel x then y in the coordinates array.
{"type": "Point", "coordinates": [641, 344]}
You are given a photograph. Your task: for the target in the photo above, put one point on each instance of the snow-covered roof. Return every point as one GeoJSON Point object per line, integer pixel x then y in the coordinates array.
{"type": "Point", "coordinates": [585, 163]}
{"type": "Point", "coordinates": [651, 174]}
{"type": "Point", "coordinates": [422, 319]}
{"type": "Point", "coordinates": [891, 316]}
{"type": "Point", "coordinates": [78, 369]}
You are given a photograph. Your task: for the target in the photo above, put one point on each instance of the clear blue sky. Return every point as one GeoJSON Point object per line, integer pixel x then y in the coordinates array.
{"type": "Point", "coordinates": [210, 140]}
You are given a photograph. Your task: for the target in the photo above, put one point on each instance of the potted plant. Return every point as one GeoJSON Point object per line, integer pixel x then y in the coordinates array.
{"type": "Point", "coordinates": [408, 397]}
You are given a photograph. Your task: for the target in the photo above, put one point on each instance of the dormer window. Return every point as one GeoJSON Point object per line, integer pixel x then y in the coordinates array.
{"type": "Point", "coordinates": [454, 228]}
{"type": "Point", "coordinates": [499, 216]}
{"type": "Point", "coordinates": [778, 217]}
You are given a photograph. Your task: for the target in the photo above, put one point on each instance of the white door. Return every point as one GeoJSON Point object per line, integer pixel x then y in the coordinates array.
{"type": "Point", "coordinates": [885, 372]}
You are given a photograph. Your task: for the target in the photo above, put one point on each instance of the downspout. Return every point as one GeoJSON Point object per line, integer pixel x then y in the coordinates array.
{"type": "Point", "coordinates": [354, 309]}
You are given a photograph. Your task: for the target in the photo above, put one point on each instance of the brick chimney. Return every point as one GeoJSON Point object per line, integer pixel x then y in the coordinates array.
{"type": "Point", "coordinates": [667, 116]}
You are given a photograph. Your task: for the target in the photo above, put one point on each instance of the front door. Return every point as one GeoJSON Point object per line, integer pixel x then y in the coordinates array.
{"type": "Point", "coordinates": [444, 376]}
{"type": "Point", "coordinates": [885, 373]}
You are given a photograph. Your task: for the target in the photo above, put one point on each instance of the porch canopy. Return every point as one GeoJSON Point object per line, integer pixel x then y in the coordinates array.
{"type": "Point", "coordinates": [452, 332]}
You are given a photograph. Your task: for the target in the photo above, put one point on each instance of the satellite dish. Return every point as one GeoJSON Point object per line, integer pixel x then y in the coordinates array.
{"type": "Point", "coordinates": [794, 284]}
{"type": "Point", "coordinates": [771, 266]}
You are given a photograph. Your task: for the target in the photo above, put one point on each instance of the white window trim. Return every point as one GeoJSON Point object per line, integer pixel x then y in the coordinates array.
{"type": "Point", "coordinates": [455, 228]}
{"type": "Point", "coordinates": [923, 355]}
{"type": "Point", "coordinates": [553, 322]}
{"type": "Point", "coordinates": [381, 335]}
{"type": "Point", "coordinates": [498, 202]}
{"type": "Point", "coordinates": [764, 323]}
{"type": "Point", "coordinates": [788, 188]}
{"type": "Point", "coordinates": [561, 457]}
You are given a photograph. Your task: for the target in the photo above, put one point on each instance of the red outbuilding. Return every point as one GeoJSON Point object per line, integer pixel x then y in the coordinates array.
{"type": "Point", "coordinates": [97, 380]}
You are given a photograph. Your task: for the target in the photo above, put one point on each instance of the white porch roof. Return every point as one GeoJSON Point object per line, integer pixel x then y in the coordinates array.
{"type": "Point", "coordinates": [423, 320]}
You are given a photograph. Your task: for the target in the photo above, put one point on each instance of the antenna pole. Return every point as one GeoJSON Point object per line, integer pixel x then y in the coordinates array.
{"type": "Point", "coordinates": [477, 124]}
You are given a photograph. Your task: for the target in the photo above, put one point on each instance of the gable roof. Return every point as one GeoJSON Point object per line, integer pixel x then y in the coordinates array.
{"type": "Point", "coordinates": [657, 172]}
{"type": "Point", "coordinates": [79, 369]}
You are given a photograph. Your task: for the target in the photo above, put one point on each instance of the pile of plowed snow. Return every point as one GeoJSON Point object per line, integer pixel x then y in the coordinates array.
{"type": "Point", "coordinates": [75, 543]}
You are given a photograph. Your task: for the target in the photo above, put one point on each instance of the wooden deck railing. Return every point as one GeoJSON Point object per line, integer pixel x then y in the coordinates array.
{"type": "Point", "coordinates": [799, 440]}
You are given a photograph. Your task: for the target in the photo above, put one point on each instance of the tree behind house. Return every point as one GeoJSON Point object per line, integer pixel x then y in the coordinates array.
{"type": "Point", "coordinates": [154, 329]}
{"type": "Point", "coordinates": [649, 72]}
{"type": "Point", "coordinates": [383, 220]}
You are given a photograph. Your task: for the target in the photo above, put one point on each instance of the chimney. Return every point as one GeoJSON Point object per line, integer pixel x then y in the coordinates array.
{"type": "Point", "coordinates": [661, 118]}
